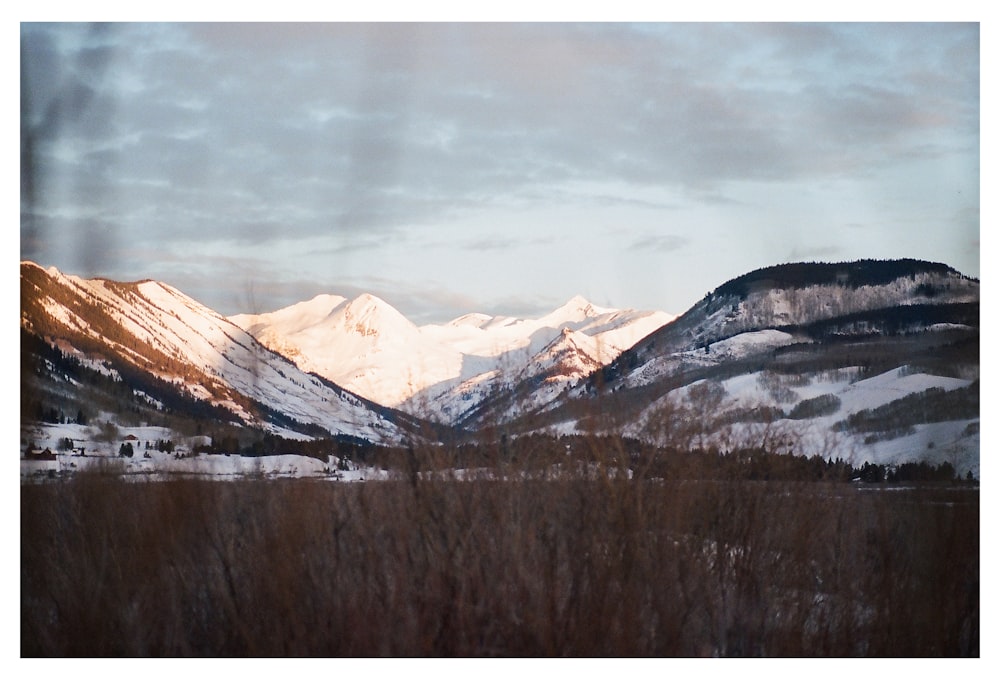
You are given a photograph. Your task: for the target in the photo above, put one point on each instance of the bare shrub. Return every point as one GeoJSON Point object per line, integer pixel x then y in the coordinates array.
{"type": "Point", "coordinates": [778, 386]}
{"type": "Point", "coordinates": [516, 564]}
{"type": "Point", "coordinates": [823, 405]}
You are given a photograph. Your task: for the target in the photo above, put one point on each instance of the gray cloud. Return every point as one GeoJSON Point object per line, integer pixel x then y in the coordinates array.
{"type": "Point", "coordinates": [662, 243]}
{"type": "Point", "coordinates": [492, 243]}
{"type": "Point", "coordinates": [253, 133]}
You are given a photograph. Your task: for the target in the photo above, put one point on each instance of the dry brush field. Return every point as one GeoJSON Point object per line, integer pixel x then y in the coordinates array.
{"type": "Point", "coordinates": [578, 566]}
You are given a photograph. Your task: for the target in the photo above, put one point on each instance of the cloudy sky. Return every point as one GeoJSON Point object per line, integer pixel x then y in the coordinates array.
{"type": "Point", "coordinates": [500, 168]}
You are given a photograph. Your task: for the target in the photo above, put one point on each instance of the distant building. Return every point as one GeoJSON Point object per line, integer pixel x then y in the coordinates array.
{"type": "Point", "coordinates": [42, 455]}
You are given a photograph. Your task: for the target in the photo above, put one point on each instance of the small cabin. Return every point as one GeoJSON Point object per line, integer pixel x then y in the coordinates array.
{"type": "Point", "coordinates": [47, 454]}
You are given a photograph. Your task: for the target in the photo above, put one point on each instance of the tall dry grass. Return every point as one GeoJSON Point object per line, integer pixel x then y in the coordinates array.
{"type": "Point", "coordinates": [586, 566]}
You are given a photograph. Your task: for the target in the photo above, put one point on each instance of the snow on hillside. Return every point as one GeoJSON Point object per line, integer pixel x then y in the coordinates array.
{"type": "Point", "coordinates": [294, 317]}
{"type": "Point", "coordinates": [95, 453]}
{"type": "Point", "coordinates": [733, 348]}
{"type": "Point", "coordinates": [737, 347]}
{"type": "Point", "coordinates": [717, 317]}
{"type": "Point", "coordinates": [227, 351]}
{"type": "Point", "coordinates": [363, 345]}
{"type": "Point", "coordinates": [576, 310]}
{"type": "Point", "coordinates": [956, 442]}
{"type": "Point", "coordinates": [474, 319]}
{"type": "Point", "coordinates": [217, 356]}
{"type": "Point", "coordinates": [742, 324]}
{"type": "Point", "coordinates": [441, 370]}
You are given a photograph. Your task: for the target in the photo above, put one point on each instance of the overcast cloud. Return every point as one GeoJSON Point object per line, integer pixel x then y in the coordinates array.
{"type": "Point", "coordinates": [472, 167]}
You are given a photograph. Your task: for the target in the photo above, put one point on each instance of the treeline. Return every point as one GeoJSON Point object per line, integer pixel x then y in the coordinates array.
{"type": "Point", "coordinates": [640, 460]}
{"type": "Point", "coordinates": [909, 472]}
{"type": "Point", "coordinates": [255, 443]}
{"type": "Point", "coordinates": [933, 405]}
{"type": "Point", "coordinates": [852, 274]}
{"type": "Point", "coordinates": [81, 390]}
{"type": "Point", "coordinates": [760, 465]}
{"type": "Point", "coordinates": [890, 321]}
{"type": "Point", "coordinates": [41, 362]}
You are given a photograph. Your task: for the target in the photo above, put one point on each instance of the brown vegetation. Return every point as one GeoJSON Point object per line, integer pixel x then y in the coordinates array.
{"type": "Point", "coordinates": [582, 565]}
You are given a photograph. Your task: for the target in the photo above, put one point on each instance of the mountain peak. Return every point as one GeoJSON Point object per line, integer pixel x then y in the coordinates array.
{"type": "Point", "coordinates": [371, 315]}
{"type": "Point", "coordinates": [367, 299]}
{"type": "Point", "coordinates": [576, 309]}
{"type": "Point", "coordinates": [578, 302]}
{"type": "Point", "coordinates": [367, 304]}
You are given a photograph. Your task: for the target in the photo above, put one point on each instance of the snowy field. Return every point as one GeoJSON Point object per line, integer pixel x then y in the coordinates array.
{"type": "Point", "coordinates": [956, 442]}
{"type": "Point", "coordinates": [92, 454]}
{"type": "Point", "coordinates": [934, 443]}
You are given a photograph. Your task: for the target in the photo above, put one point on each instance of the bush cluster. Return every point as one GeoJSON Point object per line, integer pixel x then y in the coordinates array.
{"type": "Point", "coordinates": [574, 565]}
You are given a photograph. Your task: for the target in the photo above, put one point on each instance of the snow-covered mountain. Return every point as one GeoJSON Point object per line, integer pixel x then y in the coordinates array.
{"type": "Point", "coordinates": [799, 303]}
{"type": "Point", "coordinates": [174, 345]}
{"type": "Point", "coordinates": [363, 344]}
{"type": "Point", "coordinates": [870, 360]}
{"type": "Point", "coordinates": [445, 371]}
